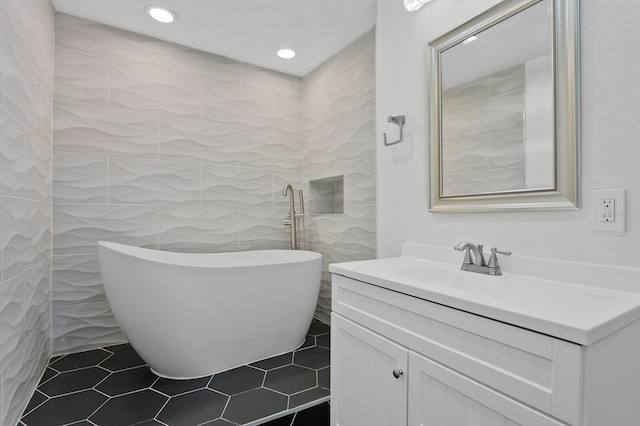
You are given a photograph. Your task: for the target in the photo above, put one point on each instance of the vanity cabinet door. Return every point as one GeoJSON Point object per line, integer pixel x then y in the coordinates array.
{"type": "Point", "coordinates": [364, 366]}
{"type": "Point", "coordinates": [439, 396]}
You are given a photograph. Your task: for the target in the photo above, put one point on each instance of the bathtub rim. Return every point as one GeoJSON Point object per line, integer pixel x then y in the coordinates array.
{"type": "Point", "coordinates": [234, 259]}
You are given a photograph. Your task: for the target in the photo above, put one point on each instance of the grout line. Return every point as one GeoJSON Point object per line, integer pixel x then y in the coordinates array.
{"type": "Point", "coordinates": [25, 413]}
{"type": "Point", "coordinates": [225, 407]}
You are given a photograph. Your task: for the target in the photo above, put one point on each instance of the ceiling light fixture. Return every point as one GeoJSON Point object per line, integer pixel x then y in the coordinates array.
{"type": "Point", "coordinates": [161, 14]}
{"type": "Point", "coordinates": [413, 5]}
{"type": "Point", "coordinates": [286, 53]}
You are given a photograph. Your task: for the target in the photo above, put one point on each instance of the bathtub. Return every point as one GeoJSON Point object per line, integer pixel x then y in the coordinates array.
{"type": "Point", "coordinates": [193, 315]}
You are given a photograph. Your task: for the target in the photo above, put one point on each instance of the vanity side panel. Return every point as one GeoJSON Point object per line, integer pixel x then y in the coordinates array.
{"type": "Point", "coordinates": [567, 381]}
{"type": "Point", "coordinates": [612, 379]}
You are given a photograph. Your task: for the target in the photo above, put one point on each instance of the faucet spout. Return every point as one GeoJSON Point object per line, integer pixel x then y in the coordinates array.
{"type": "Point", "coordinates": [288, 190]}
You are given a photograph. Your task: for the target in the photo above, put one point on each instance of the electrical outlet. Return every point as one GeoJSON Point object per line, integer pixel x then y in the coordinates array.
{"type": "Point", "coordinates": [608, 211]}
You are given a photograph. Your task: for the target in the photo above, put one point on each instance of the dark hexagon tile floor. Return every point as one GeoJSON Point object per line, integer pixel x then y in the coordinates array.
{"type": "Point", "coordinates": [113, 386]}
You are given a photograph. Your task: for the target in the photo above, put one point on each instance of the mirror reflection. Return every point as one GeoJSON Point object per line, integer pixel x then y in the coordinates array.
{"type": "Point", "coordinates": [497, 107]}
{"type": "Point", "coordinates": [504, 110]}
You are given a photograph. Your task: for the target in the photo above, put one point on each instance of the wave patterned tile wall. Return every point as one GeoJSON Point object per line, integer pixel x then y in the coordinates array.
{"type": "Point", "coordinates": [196, 229]}
{"type": "Point", "coordinates": [163, 146]}
{"type": "Point", "coordinates": [26, 37]}
{"type": "Point", "coordinates": [485, 117]}
{"type": "Point", "coordinates": [76, 280]}
{"type": "Point", "coordinates": [83, 128]}
{"type": "Point", "coordinates": [339, 140]}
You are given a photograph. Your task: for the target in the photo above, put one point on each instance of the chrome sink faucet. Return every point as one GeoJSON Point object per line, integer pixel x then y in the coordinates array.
{"type": "Point", "coordinates": [474, 259]}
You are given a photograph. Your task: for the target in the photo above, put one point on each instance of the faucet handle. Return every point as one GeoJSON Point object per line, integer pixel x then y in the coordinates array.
{"type": "Point", "coordinates": [467, 253]}
{"type": "Point", "coordinates": [502, 252]}
{"type": "Point", "coordinates": [494, 266]}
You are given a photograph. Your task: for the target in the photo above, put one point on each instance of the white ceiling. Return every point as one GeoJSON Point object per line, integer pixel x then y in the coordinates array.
{"type": "Point", "coordinates": [246, 30]}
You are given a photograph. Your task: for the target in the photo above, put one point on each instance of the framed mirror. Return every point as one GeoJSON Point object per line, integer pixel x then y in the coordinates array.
{"type": "Point", "coordinates": [504, 110]}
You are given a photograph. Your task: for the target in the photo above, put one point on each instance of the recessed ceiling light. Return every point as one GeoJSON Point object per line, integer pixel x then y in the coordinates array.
{"type": "Point", "coordinates": [470, 39]}
{"type": "Point", "coordinates": [286, 53]}
{"type": "Point", "coordinates": [161, 14]}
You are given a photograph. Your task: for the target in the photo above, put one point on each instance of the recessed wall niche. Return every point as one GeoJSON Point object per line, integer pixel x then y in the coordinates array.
{"type": "Point", "coordinates": [327, 195]}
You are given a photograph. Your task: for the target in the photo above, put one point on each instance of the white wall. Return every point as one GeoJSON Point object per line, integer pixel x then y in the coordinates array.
{"type": "Point", "coordinates": [610, 109]}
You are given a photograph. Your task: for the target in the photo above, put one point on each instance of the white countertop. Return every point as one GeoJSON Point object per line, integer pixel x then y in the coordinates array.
{"type": "Point", "coordinates": [576, 313]}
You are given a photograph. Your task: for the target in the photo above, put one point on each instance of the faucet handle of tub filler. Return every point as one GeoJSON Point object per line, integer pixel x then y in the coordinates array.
{"type": "Point", "coordinates": [301, 202]}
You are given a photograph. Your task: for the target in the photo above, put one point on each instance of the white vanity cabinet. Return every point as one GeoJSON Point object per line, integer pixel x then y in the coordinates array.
{"type": "Point", "coordinates": [398, 359]}
{"type": "Point", "coordinates": [364, 388]}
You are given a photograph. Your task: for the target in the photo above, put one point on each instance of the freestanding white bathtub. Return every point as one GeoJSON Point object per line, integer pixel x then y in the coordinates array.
{"type": "Point", "coordinates": [193, 315]}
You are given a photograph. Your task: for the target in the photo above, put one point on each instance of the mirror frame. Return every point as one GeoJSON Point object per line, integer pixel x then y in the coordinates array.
{"type": "Point", "coordinates": [566, 61]}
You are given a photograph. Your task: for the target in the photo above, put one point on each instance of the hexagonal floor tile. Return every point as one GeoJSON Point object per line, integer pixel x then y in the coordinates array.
{"type": "Point", "coordinates": [48, 374]}
{"type": "Point", "coordinates": [290, 379]}
{"type": "Point", "coordinates": [253, 405]}
{"type": "Point", "coordinates": [73, 381]}
{"type": "Point", "coordinates": [126, 381]}
{"type": "Point", "coordinates": [129, 409]}
{"type": "Point", "coordinates": [307, 396]}
{"type": "Point", "coordinates": [138, 396]}
{"type": "Point", "coordinates": [315, 357]}
{"type": "Point", "coordinates": [80, 360]}
{"type": "Point", "coordinates": [274, 362]}
{"type": "Point", "coordinates": [238, 380]}
{"type": "Point", "coordinates": [124, 356]}
{"type": "Point", "coordinates": [193, 408]}
{"type": "Point", "coordinates": [315, 416]}
{"type": "Point", "coordinates": [282, 421]}
{"type": "Point", "coordinates": [65, 409]}
{"type": "Point", "coordinates": [324, 377]}
{"type": "Point", "coordinates": [324, 340]}
{"type": "Point", "coordinates": [308, 342]}
{"type": "Point", "coordinates": [317, 328]}
{"type": "Point", "coordinates": [36, 399]}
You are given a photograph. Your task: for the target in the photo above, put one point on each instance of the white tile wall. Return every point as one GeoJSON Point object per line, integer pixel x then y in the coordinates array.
{"type": "Point", "coordinates": [26, 68]}
{"type": "Point", "coordinates": [339, 140]}
{"type": "Point", "coordinates": [157, 145]}
{"type": "Point", "coordinates": [470, 115]}
{"type": "Point", "coordinates": [83, 128]}
{"type": "Point", "coordinates": [163, 146]}
{"type": "Point", "coordinates": [198, 141]}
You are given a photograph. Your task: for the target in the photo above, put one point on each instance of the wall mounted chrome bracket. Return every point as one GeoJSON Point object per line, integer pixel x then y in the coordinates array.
{"type": "Point", "coordinates": [399, 120]}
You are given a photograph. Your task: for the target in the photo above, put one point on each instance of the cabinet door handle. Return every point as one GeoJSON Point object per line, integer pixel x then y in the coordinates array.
{"type": "Point", "coordinates": [397, 373]}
